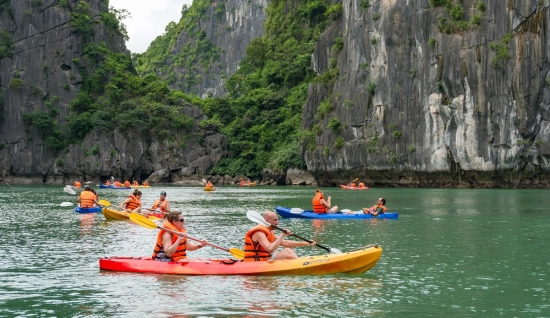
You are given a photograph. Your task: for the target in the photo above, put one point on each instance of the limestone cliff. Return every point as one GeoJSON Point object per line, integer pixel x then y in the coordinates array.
{"type": "Point", "coordinates": [41, 69]}
{"type": "Point", "coordinates": [423, 95]}
{"type": "Point", "coordinates": [207, 46]}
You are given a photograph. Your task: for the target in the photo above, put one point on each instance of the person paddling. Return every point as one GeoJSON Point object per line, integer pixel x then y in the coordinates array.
{"type": "Point", "coordinates": [260, 243]}
{"type": "Point", "coordinates": [210, 185]}
{"type": "Point", "coordinates": [132, 203]}
{"type": "Point", "coordinates": [172, 247]}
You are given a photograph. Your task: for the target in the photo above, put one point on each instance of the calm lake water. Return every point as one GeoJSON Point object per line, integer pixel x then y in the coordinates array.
{"type": "Point", "coordinates": [452, 252]}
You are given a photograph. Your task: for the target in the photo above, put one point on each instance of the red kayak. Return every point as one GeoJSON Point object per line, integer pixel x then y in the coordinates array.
{"type": "Point", "coordinates": [345, 187]}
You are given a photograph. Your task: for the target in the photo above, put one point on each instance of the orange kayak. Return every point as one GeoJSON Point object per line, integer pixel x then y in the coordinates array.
{"type": "Point", "coordinates": [353, 262]}
{"type": "Point", "coordinates": [345, 187]}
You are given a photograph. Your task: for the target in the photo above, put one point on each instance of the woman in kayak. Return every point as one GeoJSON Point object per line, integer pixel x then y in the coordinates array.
{"type": "Point", "coordinates": [170, 246]}
{"type": "Point", "coordinates": [133, 203]}
{"type": "Point", "coordinates": [375, 210]}
{"type": "Point", "coordinates": [260, 242]}
{"type": "Point", "coordinates": [322, 206]}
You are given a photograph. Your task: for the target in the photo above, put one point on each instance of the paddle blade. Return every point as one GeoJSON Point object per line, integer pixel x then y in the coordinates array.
{"type": "Point", "coordinates": [346, 210]}
{"type": "Point", "coordinates": [104, 203]}
{"type": "Point", "coordinates": [237, 253]}
{"type": "Point", "coordinates": [69, 190]}
{"type": "Point", "coordinates": [154, 218]}
{"type": "Point", "coordinates": [335, 251]}
{"type": "Point", "coordinates": [296, 211]}
{"type": "Point", "coordinates": [66, 204]}
{"type": "Point", "coordinates": [257, 218]}
{"type": "Point", "coordinates": [142, 220]}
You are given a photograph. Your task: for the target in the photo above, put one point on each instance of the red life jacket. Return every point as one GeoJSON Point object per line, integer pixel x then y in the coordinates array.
{"type": "Point", "coordinates": [180, 253]}
{"type": "Point", "coordinates": [253, 251]}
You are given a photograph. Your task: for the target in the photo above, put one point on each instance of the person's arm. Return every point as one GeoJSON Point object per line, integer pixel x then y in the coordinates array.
{"type": "Point", "coordinates": [269, 247]}
{"type": "Point", "coordinates": [326, 203]}
{"type": "Point", "coordinates": [168, 206]}
{"type": "Point", "coordinates": [123, 203]}
{"type": "Point", "coordinates": [296, 244]}
{"type": "Point", "coordinates": [169, 248]}
{"type": "Point", "coordinates": [379, 210]}
{"type": "Point", "coordinates": [192, 246]}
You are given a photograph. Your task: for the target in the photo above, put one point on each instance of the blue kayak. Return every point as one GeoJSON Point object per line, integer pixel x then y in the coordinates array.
{"type": "Point", "coordinates": [102, 186]}
{"type": "Point", "coordinates": [285, 212]}
{"type": "Point", "coordinates": [87, 210]}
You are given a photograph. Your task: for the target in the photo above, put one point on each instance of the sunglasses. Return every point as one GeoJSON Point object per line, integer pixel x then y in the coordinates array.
{"type": "Point", "coordinates": [181, 220]}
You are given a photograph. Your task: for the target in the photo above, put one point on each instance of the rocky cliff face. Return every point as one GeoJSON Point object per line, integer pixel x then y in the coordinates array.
{"type": "Point", "coordinates": [229, 25]}
{"type": "Point", "coordinates": [39, 52]}
{"type": "Point", "coordinates": [417, 101]}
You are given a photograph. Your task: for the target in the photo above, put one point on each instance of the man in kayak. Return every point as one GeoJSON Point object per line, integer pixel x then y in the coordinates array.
{"type": "Point", "coordinates": [210, 185]}
{"type": "Point", "coordinates": [375, 210]}
{"type": "Point", "coordinates": [161, 205]}
{"type": "Point", "coordinates": [170, 246]}
{"type": "Point", "coordinates": [260, 243]}
{"type": "Point", "coordinates": [87, 198]}
{"type": "Point", "coordinates": [320, 206]}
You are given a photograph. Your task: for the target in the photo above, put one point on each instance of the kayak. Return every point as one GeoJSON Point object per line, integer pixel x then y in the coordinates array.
{"type": "Point", "coordinates": [285, 212]}
{"type": "Point", "coordinates": [345, 187]}
{"type": "Point", "coordinates": [139, 186]}
{"type": "Point", "coordinates": [102, 186]}
{"type": "Point", "coordinates": [209, 189]}
{"type": "Point", "coordinates": [111, 214]}
{"type": "Point", "coordinates": [87, 210]}
{"type": "Point", "coordinates": [251, 184]}
{"type": "Point", "coordinates": [353, 262]}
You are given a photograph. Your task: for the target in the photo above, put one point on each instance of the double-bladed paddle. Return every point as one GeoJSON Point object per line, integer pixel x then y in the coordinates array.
{"type": "Point", "coordinates": [296, 211]}
{"type": "Point", "coordinates": [258, 218]}
{"type": "Point", "coordinates": [145, 222]}
{"type": "Point", "coordinates": [67, 204]}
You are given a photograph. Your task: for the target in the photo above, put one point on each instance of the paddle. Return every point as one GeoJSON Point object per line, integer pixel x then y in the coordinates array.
{"type": "Point", "coordinates": [67, 204]}
{"type": "Point", "coordinates": [258, 218]}
{"type": "Point", "coordinates": [353, 181]}
{"type": "Point", "coordinates": [69, 190]}
{"type": "Point", "coordinates": [7, 183]}
{"type": "Point", "coordinates": [296, 211]}
{"type": "Point", "coordinates": [143, 221]}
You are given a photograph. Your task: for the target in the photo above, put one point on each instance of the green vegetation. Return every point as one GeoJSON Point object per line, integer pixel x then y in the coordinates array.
{"type": "Point", "coordinates": [335, 124]}
{"type": "Point", "coordinates": [456, 23]}
{"type": "Point", "coordinates": [339, 142]}
{"type": "Point", "coordinates": [60, 163]}
{"type": "Point", "coordinates": [82, 20]}
{"type": "Point", "coordinates": [431, 42]}
{"type": "Point", "coordinates": [372, 144]}
{"type": "Point", "coordinates": [63, 4]}
{"type": "Point", "coordinates": [16, 83]}
{"type": "Point", "coordinates": [6, 46]}
{"type": "Point", "coordinates": [95, 150]}
{"type": "Point", "coordinates": [411, 148]}
{"type": "Point", "coordinates": [397, 134]}
{"type": "Point", "coordinates": [502, 55]}
{"type": "Point", "coordinates": [364, 4]}
{"type": "Point", "coordinates": [370, 88]}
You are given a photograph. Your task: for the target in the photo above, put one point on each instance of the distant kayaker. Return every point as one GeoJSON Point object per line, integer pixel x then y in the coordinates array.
{"type": "Point", "coordinates": [320, 206]}
{"type": "Point", "coordinates": [260, 243]}
{"type": "Point", "coordinates": [210, 185]}
{"type": "Point", "coordinates": [126, 184]}
{"type": "Point", "coordinates": [375, 210]}
{"type": "Point", "coordinates": [87, 198]}
{"type": "Point", "coordinates": [133, 203]}
{"type": "Point", "coordinates": [361, 185]}
{"type": "Point", "coordinates": [172, 247]}
{"type": "Point", "coordinates": [161, 205]}
{"type": "Point", "coordinates": [77, 184]}
{"type": "Point", "coordinates": [146, 183]}
{"type": "Point", "coordinates": [135, 183]}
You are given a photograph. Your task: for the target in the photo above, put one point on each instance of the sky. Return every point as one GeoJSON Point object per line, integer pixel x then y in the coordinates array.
{"type": "Point", "coordinates": [148, 19]}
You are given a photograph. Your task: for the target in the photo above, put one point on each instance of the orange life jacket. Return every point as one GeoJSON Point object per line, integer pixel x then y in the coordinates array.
{"type": "Point", "coordinates": [352, 185]}
{"type": "Point", "coordinates": [361, 185]}
{"type": "Point", "coordinates": [163, 206]}
{"type": "Point", "coordinates": [253, 251]}
{"type": "Point", "coordinates": [118, 184]}
{"type": "Point", "coordinates": [127, 184]}
{"type": "Point", "coordinates": [77, 184]}
{"type": "Point", "coordinates": [318, 207]}
{"type": "Point", "coordinates": [87, 199]}
{"type": "Point", "coordinates": [180, 253]}
{"type": "Point", "coordinates": [134, 203]}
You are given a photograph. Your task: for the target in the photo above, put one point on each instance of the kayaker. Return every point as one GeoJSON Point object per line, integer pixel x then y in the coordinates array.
{"type": "Point", "coordinates": [118, 184]}
{"type": "Point", "coordinates": [77, 184]}
{"type": "Point", "coordinates": [361, 185]}
{"type": "Point", "coordinates": [210, 185]}
{"type": "Point", "coordinates": [172, 247]}
{"type": "Point", "coordinates": [260, 243]}
{"type": "Point", "coordinates": [161, 205]}
{"type": "Point", "coordinates": [375, 210]}
{"type": "Point", "coordinates": [135, 183]}
{"type": "Point", "coordinates": [133, 203]}
{"type": "Point", "coordinates": [320, 206]}
{"type": "Point", "coordinates": [146, 183]}
{"type": "Point", "coordinates": [93, 191]}
{"type": "Point", "coordinates": [126, 184]}
{"type": "Point", "coordinates": [87, 198]}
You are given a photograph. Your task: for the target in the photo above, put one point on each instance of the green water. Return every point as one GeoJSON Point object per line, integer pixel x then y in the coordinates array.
{"type": "Point", "coordinates": [456, 253]}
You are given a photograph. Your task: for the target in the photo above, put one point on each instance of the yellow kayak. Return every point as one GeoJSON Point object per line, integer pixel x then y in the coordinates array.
{"type": "Point", "coordinates": [111, 214]}
{"type": "Point", "coordinates": [139, 186]}
{"type": "Point", "coordinates": [209, 189]}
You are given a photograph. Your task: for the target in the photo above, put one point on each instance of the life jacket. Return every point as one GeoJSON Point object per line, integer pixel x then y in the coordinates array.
{"type": "Point", "coordinates": [135, 183]}
{"type": "Point", "coordinates": [87, 199]}
{"type": "Point", "coordinates": [253, 251]}
{"type": "Point", "coordinates": [134, 203]}
{"type": "Point", "coordinates": [118, 184]}
{"type": "Point", "coordinates": [352, 185]}
{"type": "Point", "coordinates": [361, 185]}
{"type": "Point", "coordinates": [376, 207]}
{"type": "Point", "coordinates": [209, 185]}
{"type": "Point", "coordinates": [77, 184]}
{"type": "Point", "coordinates": [127, 184]}
{"type": "Point", "coordinates": [318, 207]}
{"type": "Point", "coordinates": [180, 253]}
{"type": "Point", "coordinates": [241, 183]}
{"type": "Point", "coordinates": [163, 206]}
